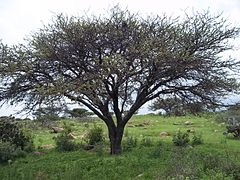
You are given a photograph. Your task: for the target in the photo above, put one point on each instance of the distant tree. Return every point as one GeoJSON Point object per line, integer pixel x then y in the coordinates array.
{"type": "Point", "coordinates": [118, 62]}
{"type": "Point", "coordinates": [50, 111]}
{"type": "Point", "coordinates": [195, 107]}
{"type": "Point", "coordinates": [178, 107]}
{"type": "Point", "coordinates": [169, 105]}
{"type": "Point", "coordinates": [234, 110]}
{"type": "Point", "coordinates": [79, 112]}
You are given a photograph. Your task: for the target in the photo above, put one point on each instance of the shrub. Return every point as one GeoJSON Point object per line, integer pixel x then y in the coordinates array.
{"type": "Point", "coordinates": [181, 138]}
{"type": "Point", "coordinates": [130, 143]}
{"type": "Point", "coordinates": [12, 132]}
{"type": "Point", "coordinates": [63, 143]}
{"type": "Point", "coordinates": [146, 141]}
{"type": "Point", "coordinates": [6, 151]}
{"type": "Point", "coordinates": [234, 126]}
{"type": "Point", "coordinates": [95, 135]}
{"type": "Point", "coordinates": [67, 127]}
{"type": "Point", "coordinates": [157, 151]}
{"type": "Point", "coordinates": [197, 139]}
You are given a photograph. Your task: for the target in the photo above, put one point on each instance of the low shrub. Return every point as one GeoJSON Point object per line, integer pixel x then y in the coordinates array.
{"type": "Point", "coordinates": [157, 151]}
{"type": "Point", "coordinates": [12, 132]}
{"type": "Point", "coordinates": [6, 151]}
{"type": "Point", "coordinates": [181, 138]}
{"type": "Point", "coordinates": [95, 135]}
{"type": "Point", "coordinates": [146, 141]}
{"type": "Point", "coordinates": [233, 126]}
{"type": "Point", "coordinates": [63, 143]}
{"type": "Point", "coordinates": [197, 139]}
{"type": "Point", "coordinates": [68, 128]}
{"type": "Point", "coordinates": [129, 143]}
{"type": "Point", "coordinates": [225, 165]}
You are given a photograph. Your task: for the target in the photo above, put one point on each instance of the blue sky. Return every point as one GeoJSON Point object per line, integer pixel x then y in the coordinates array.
{"type": "Point", "coordinates": [20, 18]}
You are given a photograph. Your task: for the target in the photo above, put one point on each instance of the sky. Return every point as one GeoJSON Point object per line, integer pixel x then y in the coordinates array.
{"type": "Point", "coordinates": [20, 18]}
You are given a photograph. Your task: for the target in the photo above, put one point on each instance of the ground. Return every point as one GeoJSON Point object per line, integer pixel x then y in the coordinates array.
{"type": "Point", "coordinates": [217, 158]}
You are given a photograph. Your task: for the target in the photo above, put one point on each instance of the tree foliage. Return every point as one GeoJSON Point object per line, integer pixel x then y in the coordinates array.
{"type": "Point", "coordinates": [177, 106]}
{"type": "Point", "coordinates": [120, 61]}
{"type": "Point", "coordinates": [79, 112]}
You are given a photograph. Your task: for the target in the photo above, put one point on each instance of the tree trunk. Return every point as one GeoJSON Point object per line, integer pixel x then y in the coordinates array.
{"type": "Point", "coordinates": [115, 136]}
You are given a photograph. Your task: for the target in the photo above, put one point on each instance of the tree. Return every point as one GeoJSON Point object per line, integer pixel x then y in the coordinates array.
{"type": "Point", "coordinates": [79, 113]}
{"type": "Point", "coordinates": [177, 106]}
{"type": "Point", "coordinates": [120, 61]}
{"type": "Point", "coordinates": [49, 112]}
{"type": "Point", "coordinates": [169, 105]}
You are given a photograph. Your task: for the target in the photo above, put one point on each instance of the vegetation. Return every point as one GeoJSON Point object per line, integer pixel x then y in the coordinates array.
{"type": "Point", "coordinates": [12, 132]}
{"type": "Point", "coordinates": [233, 115]}
{"type": "Point", "coordinates": [95, 135]}
{"type": "Point", "coordinates": [145, 156]}
{"type": "Point", "coordinates": [178, 107]}
{"type": "Point", "coordinates": [181, 138]}
{"type": "Point", "coordinates": [79, 113]}
{"type": "Point", "coordinates": [118, 62]}
{"type": "Point", "coordinates": [63, 143]}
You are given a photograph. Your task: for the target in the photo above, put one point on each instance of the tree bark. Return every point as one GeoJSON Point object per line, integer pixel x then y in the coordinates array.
{"type": "Point", "coordinates": [115, 136]}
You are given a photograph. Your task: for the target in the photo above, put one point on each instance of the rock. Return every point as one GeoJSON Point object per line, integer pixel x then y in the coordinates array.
{"type": "Point", "coordinates": [37, 153]}
{"type": "Point", "coordinates": [71, 136]}
{"type": "Point", "coordinates": [164, 134]}
{"type": "Point", "coordinates": [88, 147]}
{"type": "Point", "coordinates": [188, 123]}
{"type": "Point", "coordinates": [47, 146]}
{"type": "Point", "coordinates": [57, 129]}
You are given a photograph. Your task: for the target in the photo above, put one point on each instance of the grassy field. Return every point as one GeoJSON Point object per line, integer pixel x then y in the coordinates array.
{"type": "Point", "coordinates": [217, 158]}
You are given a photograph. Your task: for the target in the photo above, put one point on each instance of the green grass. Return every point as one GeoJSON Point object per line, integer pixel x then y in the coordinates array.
{"type": "Point", "coordinates": [217, 158]}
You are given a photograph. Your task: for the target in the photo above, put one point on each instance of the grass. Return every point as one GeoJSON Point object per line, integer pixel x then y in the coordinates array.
{"type": "Point", "coordinates": [217, 158]}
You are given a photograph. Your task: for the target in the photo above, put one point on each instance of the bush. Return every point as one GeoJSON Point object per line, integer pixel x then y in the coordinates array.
{"type": "Point", "coordinates": [181, 138]}
{"type": "Point", "coordinates": [234, 126]}
{"type": "Point", "coordinates": [197, 139]}
{"type": "Point", "coordinates": [95, 135]}
{"type": "Point", "coordinates": [68, 128]}
{"type": "Point", "coordinates": [157, 151]}
{"type": "Point", "coordinates": [130, 143]}
{"type": "Point", "coordinates": [63, 143]}
{"type": "Point", "coordinates": [146, 141]}
{"type": "Point", "coordinates": [12, 132]}
{"type": "Point", "coordinates": [6, 151]}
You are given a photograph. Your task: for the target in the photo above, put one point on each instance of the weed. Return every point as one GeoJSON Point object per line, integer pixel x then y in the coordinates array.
{"type": "Point", "coordinates": [146, 141]}
{"type": "Point", "coordinates": [197, 139]}
{"type": "Point", "coordinates": [181, 138]}
{"type": "Point", "coordinates": [95, 135]}
{"type": "Point", "coordinates": [130, 143]}
{"type": "Point", "coordinates": [63, 143]}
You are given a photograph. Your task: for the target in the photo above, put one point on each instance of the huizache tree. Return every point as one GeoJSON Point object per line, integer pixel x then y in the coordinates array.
{"type": "Point", "coordinates": [120, 61]}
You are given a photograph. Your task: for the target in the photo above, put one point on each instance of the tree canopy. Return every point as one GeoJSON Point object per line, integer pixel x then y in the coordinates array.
{"type": "Point", "coordinates": [118, 62]}
{"type": "Point", "coordinates": [178, 107]}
